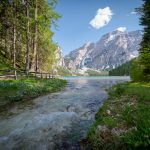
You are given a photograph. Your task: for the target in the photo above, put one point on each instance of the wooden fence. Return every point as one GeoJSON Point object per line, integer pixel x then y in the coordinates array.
{"type": "Point", "coordinates": [17, 74]}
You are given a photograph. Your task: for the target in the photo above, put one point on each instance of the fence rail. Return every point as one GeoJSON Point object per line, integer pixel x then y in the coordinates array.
{"type": "Point", "coordinates": [15, 74]}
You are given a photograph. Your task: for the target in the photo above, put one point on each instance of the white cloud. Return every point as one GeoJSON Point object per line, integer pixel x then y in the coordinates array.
{"type": "Point", "coordinates": [102, 18]}
{"type": "Point", "coordinates": [133, 12]}
{"type": "Point", "coordinates": [122, 29]}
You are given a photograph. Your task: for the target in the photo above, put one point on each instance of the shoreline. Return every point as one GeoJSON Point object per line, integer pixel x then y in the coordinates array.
{"type": "Point", "coordinates": [22, 90]}
{"type": "Point", "coordinates": [119, 121]}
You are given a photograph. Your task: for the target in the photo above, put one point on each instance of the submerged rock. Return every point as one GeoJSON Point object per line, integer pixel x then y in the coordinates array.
{"type": "Point", "coordinates": [57, 121]}
{"type": "Point", "coordinates": [40, 132]}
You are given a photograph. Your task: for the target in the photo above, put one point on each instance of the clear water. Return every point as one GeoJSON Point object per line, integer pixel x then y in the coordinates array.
{"type": "Point", "coordinates": [55, 121]}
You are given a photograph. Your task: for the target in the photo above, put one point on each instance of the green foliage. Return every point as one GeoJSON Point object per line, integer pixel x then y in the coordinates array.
{"type": "Point", "coordinates": [145, 62]}
{"type": "Point", "coordinates": [128, 116]}
{"type": "Point", "coordinates": [122, 70]}
{"type": "Point", "coordinates": [117, 90]}
{"type": "Point", "coordinates": [137, 71]}
{"type": "Point", "coordinates": [140, 136]}
{"type": "Point", "coordinates": [17, 90]}
{"type": "Point", "coordinates": [110, 121]}
{"type": "Point", "coordinates": [46, 47]}
{"type": "Point", "coordinates": [4, 66]}
{"type": "Point", "coordinates": [13, 17]}
{"type": "Point", "coordinates": [145, 45]}
{"type": "Point", "coordinates": [63, 71]}
{"type": "Point", "coordinates": [96, 73]}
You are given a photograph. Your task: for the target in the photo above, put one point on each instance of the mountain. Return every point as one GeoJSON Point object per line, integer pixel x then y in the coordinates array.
{"type": "Point", "coordinates": [59, 67]}
{"type": "Point", "coordinates": [59, 58]}
{"type": "Point", "coordinates": [112, 50]}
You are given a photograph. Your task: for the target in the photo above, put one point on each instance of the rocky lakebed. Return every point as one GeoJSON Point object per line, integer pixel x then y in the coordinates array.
{"type": "Point", "coordinates": [57, 121]}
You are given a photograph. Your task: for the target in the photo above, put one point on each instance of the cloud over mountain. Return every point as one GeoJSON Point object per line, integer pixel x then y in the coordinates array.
{"type": "Point", "coordinates": [102, 18]}
{"type": "Point", "coordinates": [122, 29]}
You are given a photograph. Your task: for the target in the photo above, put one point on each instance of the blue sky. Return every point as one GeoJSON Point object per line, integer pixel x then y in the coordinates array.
{"type": "Point", "coordinates": [87, 20]}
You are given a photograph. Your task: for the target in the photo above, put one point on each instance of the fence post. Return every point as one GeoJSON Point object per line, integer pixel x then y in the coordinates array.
{"type": "Point", "coordinates": [52, 73]}
{"type": "Point", "coordinates": [15, 74]}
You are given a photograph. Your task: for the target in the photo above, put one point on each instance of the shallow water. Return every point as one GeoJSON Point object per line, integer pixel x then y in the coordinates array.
{"type": "Point", "coordinates": [56, 121]}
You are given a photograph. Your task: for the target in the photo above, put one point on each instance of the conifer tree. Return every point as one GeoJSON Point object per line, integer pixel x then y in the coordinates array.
{"type": "Point", "coordinates": [26, 35]}
{"type": "Point", "coordinates": [145, 45]}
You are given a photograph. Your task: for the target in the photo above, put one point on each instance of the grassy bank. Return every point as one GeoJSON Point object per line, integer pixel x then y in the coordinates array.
{"type": "Point", "coordinates": [23, 89]}
{"type": "Point", "coordinates": [62, 71]}
{"type": "Point", "coordinates": [96, 73]}
{"type": "Point", "coordinates": [123, 122]}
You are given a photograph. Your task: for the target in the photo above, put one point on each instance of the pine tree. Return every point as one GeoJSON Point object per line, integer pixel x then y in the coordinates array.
{"type": "Point", "coordinates": [145, 45]}
{"type": "Point", "coordinates": [25, 33]}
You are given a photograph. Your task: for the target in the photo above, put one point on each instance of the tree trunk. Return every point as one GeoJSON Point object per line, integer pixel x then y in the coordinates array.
{"type": "Point", "coordinates": [27, 38]}
{"type": "Point", "coordinates": [14, 39]}
{"type": "Point", "coordinates": [37, 63]}
{"type": "Point", "coordinates": [6, 48]}
{"type": "Point", "coordinates": [34, 58]}
{"type": "Point", "coordinates": [14, 47]}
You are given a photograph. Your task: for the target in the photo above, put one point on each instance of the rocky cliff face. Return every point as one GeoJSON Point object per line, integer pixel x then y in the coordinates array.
{"type": "Point", "coordinates": [75, 59]}
{"type": "Point", "coordinates": [112, 50]}
{"type": "Point", "coordinates": [59, 58]}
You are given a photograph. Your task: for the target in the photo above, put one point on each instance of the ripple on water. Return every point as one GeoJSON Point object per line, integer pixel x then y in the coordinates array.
{"type": "Point", "coordinates": [56, 121]}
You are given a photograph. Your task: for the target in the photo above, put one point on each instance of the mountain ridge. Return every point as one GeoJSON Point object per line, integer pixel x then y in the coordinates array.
{"type": "Point", "coordinates": [111, 50]}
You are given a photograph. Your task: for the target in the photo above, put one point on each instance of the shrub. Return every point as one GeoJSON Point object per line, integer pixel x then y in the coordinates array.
{"type": "Point", "coordinates": [137, 73]}
{"type": "Point", "coordinates": [116, 90]}
{"type": "Point", "coordinates": [18, 90]}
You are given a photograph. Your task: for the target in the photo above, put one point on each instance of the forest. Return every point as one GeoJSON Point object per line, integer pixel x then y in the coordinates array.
{"type": "Point", "coordinates": [25, 34]}
{"type": "Point", "coordinates": [26, 47]}
{"type": "Point", "coordinates": [122, 70]}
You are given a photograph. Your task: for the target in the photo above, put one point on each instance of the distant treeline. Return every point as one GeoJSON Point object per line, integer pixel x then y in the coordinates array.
{"type": "Point", "coordinates": [96, 73]}
{"type": "Point", "coordinates": [124, 69]}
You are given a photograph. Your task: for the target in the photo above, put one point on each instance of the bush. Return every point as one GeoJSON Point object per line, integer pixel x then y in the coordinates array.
{"type": "Point", "coordinates": [117, 90]}
{"type": "Point", "coordinates": [137, 71]}
{"type": "Point", "coordinates": [17, 90]}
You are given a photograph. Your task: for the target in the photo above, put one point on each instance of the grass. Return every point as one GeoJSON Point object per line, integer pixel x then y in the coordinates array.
{"type": "Point", "coordinates": [23, 89]}
{"type": "Point", "coordinates": [62, 71]}
{"type": "Point", "coordinates": [123, 122]}
{"type": "Point", "coordinates": [96, 73]}
{"type": "Point", "coordinates": [4, 66]}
